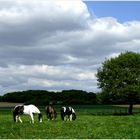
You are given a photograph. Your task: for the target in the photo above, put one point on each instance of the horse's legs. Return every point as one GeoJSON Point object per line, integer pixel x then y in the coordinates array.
{"type": "Point", "coordinates": [70, 117]}
{"type": "Point", "coordinates": [65, 117]}
{"type": "Point", "coordinates": [49, 116]}
{"type": "Point", "coordinates": [32, 118]}
{"type": "Point", "coordinates": [52, 115]}
{"type": "Point", "coordinates": [18, 119]}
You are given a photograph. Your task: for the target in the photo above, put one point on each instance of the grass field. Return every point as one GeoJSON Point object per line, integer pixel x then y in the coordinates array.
{"type": "Point", "coordinates": [88, 125]}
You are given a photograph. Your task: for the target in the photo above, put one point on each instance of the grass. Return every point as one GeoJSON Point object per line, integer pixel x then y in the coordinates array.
{"type": "Point", "coordinates": [87, 126]}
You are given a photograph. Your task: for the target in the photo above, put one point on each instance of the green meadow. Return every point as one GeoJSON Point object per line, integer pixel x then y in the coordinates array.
{"type": "Point", "coordinates": [93, 122]}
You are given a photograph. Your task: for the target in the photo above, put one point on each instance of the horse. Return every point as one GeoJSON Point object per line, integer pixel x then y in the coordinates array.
{"type": "Point", "coordinates": [67, 114]}
{"type": "Point", "coordinates": [50, 112]}
{"type": "Point", "coordinates": [28, 110]}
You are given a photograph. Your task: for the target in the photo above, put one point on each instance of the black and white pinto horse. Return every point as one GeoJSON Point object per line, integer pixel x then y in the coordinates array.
{"type": "Point", "coordinates": [50, 112]}
{"type": "Point", "coordinates": [26, 109]}
{"type": "Point", "coordinates": [68, 114]}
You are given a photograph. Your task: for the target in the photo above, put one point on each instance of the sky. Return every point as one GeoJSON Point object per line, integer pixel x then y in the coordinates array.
{"type": "Point", "coordinates": [121, 10]}
{"type": "Point", "coordinates": [59, 45]}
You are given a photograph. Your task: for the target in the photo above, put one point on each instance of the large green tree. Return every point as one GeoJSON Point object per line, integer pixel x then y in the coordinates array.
{"type": "Point", "coordinates": [120, 77]}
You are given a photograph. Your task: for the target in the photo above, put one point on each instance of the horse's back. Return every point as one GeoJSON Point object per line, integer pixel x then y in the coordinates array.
{"type": "Point", "coordinates": [31, 108]}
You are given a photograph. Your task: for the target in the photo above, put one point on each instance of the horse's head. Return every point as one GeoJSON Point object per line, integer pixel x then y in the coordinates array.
{"type": "Point", "coordinates": [18, 110]}
{"type": "Point", "coordinates": [73, 116]}
{"type": "Point", "coordinates": [40, 117]}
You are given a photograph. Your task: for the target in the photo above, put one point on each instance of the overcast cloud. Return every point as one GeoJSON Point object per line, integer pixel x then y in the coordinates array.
{"type": "Point", "coordinates": [57, 45]}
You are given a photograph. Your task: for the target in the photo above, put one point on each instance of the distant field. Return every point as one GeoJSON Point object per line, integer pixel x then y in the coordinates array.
{"type": "Point", "coordinates": [135, 106]}
{"type": "Point", "coordinates": [7, 104]}
{"type": "Point", "coordinates": [86, 109]}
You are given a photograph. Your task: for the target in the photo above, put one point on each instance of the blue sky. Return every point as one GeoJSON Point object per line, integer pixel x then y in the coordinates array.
{"type": "Point", "coordinates": [121, 10]}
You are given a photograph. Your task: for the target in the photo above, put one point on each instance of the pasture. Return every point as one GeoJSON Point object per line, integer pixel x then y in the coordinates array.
{"type": "Point", "coordinates": [93, 122]}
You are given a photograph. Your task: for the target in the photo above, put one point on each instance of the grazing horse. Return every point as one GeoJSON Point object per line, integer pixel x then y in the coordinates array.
{"type": "Point", "coordinates": [26, 109]}
{"type": "Point", "coordinates": [68, 114]}
{"type": "Point", "coordinates": [50, 112]}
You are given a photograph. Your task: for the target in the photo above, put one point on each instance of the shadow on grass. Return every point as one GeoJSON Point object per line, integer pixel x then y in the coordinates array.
{"type": "Point", "coordinates": [121, 114]}
{"type": "Point", "coordinates": [110, 114]}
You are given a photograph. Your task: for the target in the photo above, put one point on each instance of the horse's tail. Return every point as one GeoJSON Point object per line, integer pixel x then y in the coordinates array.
{"type": "Point", "coordinates": [40, 117]}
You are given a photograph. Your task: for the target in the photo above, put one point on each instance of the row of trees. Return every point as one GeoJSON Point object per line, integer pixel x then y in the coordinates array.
{"type": "Point", "coordinates": [65, 97]}
{"type": "Point", "coordinates": [42, 97]}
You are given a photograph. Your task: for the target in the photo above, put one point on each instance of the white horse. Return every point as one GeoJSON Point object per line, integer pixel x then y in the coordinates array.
{"type": "Point", "coordinates": [26, 109]}
{"type": "Point", "coordinates": [68, 114]}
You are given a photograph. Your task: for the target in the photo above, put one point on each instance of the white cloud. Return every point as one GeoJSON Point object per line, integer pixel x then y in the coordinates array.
{"type": "Point", "coordinates": [44, 77]}
{"type": "Point", "coordinates": [56, 45]}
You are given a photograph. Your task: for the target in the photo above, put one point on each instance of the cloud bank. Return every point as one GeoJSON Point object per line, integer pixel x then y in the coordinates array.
{"type": "Point", "coordinates": [57, 45]}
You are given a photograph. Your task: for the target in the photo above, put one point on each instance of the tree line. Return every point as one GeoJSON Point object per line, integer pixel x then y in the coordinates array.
{"type": "Point", "coordinates": [41, 97]}
{"type": "Point", "coordinates": [65, 97]}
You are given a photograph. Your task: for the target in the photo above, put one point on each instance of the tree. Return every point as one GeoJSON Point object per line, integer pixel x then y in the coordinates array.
{"type": "Point", "coordinates": [120, 77]}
